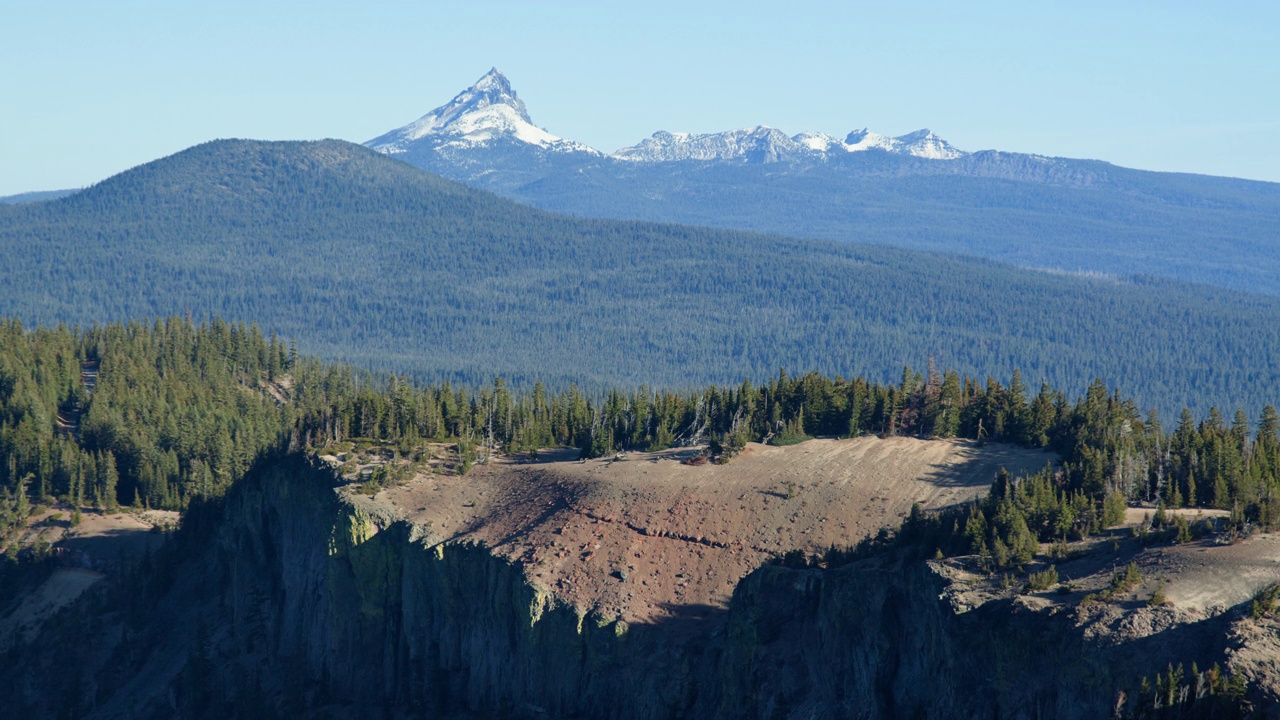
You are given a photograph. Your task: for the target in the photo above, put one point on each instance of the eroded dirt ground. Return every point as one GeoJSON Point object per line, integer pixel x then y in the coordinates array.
{"type": "Point", "coordinates": [85, 552]}
{"type": "Point", "coordinates": [644, 536]}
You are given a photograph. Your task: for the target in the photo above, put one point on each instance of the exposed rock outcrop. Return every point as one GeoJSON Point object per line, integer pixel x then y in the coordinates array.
{"type": "Point", "coordinates": [385, 612]}
{"type": "Point", "coordinates": [311, 600]}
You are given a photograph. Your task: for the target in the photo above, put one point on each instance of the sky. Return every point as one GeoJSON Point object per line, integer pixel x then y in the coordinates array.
{"type": "Point", "coordinates": [89, 89]}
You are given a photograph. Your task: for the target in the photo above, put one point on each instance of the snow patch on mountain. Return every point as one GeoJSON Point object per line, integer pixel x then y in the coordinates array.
{"type": "Point", "coordinates": [924, 144]}
{"type": "Point", "coordinates": [818, 141]}
{"type": "Point", "coordinates": [760, 143]}
{"type": "Point", "coordinates": [765, 144]}
{"type": "Point", "coordinates": [864, 139]}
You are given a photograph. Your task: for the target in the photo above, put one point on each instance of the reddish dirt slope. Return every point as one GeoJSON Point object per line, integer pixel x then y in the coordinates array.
{"type": "Point", "coordinates": [645, 536]}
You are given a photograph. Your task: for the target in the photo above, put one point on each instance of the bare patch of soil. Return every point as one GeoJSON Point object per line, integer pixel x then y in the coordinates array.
{"type": "Point", "coordinates": [1135, 516]}
{"type": "Point", "coordinates": [642, 535]}
{"type": "Point", "coordinates": [100, 539]}
{"type": "Point", "coordinates": [1206, 576]}
{"type": "Point", "coordinates": [55, 593]}
{"type": "Point", "coordinates": [1199, 580]}
{"type": "Point", "coordinates": [85, 552]}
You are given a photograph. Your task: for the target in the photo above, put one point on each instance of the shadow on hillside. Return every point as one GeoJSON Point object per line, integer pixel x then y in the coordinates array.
{"type": "Point", "coordinates": [978, 465]}
{"type": "Point", "coordinates": [528, 503]}
{"type": "Point", "coordinates": [681, 621]}
{"type": "Point", "coordinates": [110, 544]}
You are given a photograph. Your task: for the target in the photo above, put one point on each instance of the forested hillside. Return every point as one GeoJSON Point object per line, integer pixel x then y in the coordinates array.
{"type": "Point", "coordinates": [135, 414]}
{"type": "Point", "coordinates": [31, 197]}
{"type": "Point", "coordinates": [1072, 215]}
{"type": "Point", "coordinates": [363, 258]}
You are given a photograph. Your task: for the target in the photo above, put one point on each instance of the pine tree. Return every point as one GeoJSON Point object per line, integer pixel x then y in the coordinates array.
{"type": "Point", "coordinates": [22, 507]}
{"type": "Point", "coordinates": [110, 481]}
{"type": "Point", "coordinates": [1158, 598]}
{"type": "Point", "coordinates": [1113, 510]}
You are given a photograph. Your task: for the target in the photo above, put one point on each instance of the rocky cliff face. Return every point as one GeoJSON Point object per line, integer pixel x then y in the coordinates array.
{"type": "Point", "coordinates": [304, 600]}
{"type": "Point", "coordinates": [377, 611]}
{"type": "Point", "coordinates": [380, 612]}
{"type": "Point", "coordinates": [884, 640]}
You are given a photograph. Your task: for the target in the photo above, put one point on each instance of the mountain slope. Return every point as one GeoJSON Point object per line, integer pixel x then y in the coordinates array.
{"type": "Point", "coordinates": [913, 191]}
{"type": "Point", "coordinates": [365, 258]}
{"type": "Point", "coordinates": [37, 196]}
{"type": "Point", "coordinates": [1075, 217]}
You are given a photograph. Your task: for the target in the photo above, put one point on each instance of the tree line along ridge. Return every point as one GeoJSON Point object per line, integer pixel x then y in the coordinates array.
{"type": "Point", "coordinates": [180, 410]}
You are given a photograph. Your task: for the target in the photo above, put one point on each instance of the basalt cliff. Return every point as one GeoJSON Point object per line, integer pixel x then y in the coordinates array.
{"type": "Point", "coordinates": [309, 599]}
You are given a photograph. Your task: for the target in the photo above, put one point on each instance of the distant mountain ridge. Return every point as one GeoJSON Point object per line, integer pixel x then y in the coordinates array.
{"type": "Point", "coordinates": [364, 258]}
{"type": "Point", "coordinates": [37, 196]}
{"type": "Point", "coordinates": [915, 191]}
{"type": "Point", "coordinates": [490, 111]}
{"type": "Point", "coordinates": [765, 144]}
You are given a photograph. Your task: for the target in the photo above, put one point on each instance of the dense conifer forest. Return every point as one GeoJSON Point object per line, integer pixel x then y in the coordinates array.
{"type": "Point", "coordinates": [365, 259]}
{"type": "Point", "coordinates": [158, 415]}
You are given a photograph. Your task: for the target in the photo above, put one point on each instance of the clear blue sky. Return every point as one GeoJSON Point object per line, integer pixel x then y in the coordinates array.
{"type": "Point", "coordinates": [90, 89]}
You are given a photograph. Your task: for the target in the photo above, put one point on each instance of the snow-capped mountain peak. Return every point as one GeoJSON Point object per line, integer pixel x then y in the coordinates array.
{"type": "Point", "coordinates": [818, 141]}
{"type": "Point", "coordinates": [924, 144]}
{"type": "Point", "coordinates": [864, 139]}
{"type": "Point", "coordinates": [494, 84]}
{"type": "Point", "coordinates": [486, 111]}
